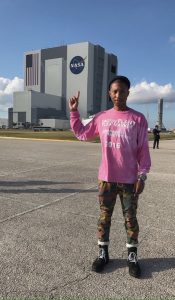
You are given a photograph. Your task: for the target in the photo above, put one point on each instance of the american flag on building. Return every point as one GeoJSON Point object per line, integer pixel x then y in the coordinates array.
{"type": "Point", "coordinates": [32, 69]}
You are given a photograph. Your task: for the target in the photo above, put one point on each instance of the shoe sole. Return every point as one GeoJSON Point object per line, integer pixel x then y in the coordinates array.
{"type": "Point", "coordinates": [99, 270]}
{"type": "Point", "coordinates": [135, 276]}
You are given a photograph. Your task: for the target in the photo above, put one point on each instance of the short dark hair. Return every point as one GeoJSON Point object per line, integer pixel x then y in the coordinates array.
{"type": "Point", "coordinates": [120, 78]}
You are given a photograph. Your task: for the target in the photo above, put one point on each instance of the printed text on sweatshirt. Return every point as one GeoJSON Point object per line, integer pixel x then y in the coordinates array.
{"type": "Point", "coordinates": [124, 143]}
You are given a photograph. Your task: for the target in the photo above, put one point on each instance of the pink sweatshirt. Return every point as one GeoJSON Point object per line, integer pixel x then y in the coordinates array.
{"type": "Point", "coordinates": [124, 142]}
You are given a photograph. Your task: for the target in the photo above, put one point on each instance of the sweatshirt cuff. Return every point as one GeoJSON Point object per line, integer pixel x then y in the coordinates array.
{"type": "Point", "coordinates": [74, 113]}
{"type": "Point", "coordinates": [143, 172]}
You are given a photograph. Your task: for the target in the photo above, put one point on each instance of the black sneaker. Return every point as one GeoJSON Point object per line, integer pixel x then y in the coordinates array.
{"type": "Point", "coordinates": [100, 262]}
{"type": "Point", "coordinates": [134, 268]}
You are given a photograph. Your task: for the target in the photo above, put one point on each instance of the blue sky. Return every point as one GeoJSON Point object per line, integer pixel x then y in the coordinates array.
{"type": "Point", "coordinates": [140, 32]}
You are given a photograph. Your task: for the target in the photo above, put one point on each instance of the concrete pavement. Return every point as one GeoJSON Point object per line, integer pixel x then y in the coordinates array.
{"type": "Point", "coordinates": [48, 216]}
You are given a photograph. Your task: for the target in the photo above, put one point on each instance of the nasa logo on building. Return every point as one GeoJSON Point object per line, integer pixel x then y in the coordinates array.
{"type": "Point", "coordinates": [77, 64]}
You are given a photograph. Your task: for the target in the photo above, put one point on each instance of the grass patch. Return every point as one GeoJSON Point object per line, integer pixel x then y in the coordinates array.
{"type": "Point", "coordinates": [62, 135]}
{"type": "Point", "coordinates": [163, 136]}
{"type": "Point", "coordinates": [52, 135]}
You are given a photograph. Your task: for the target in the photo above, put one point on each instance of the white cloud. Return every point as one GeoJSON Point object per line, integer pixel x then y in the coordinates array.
{"type": "Point", "coordinates": [7, 87]}
{"type": "Point", "coordinates": [145, 92]}
{"type": "Point", "coordinates": [172, 39]}
{"type": "Point", "coordinates": [141, 93]}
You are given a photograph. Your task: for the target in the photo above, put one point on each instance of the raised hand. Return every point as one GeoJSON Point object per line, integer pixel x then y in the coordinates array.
{"type": "Point", "coordinates": [73, 102]}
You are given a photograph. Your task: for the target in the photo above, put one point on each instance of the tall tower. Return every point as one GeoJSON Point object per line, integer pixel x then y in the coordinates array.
{"type": "Point", "coordinates": [160, 113]}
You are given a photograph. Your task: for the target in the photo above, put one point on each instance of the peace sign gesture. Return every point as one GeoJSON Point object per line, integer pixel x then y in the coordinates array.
{"type": "Point", "coordinates": [73, 102]}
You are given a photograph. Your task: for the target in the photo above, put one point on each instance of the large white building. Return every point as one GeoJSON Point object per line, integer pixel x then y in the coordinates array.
{"type": "Point", "coordinates": [53, 75]}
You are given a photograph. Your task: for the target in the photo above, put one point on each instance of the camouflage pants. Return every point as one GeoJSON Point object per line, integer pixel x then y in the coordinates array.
{"type": "Point", "coordinates": [108, 192]}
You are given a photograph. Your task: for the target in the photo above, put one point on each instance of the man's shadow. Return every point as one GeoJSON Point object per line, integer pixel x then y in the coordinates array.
{"type": "Point", "coordinates": [148, 265]}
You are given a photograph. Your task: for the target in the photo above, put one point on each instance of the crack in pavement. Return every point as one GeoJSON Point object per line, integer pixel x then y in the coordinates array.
{"type": "Point", "coordinates": [42, 206]}
{"type": "Point", "coordinates": [66, 284]}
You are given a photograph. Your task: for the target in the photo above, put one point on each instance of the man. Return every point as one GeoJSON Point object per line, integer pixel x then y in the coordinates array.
{"type": "Point", "coordinates": [156, 134]}
{"type": "Point", "coordinates": [125, 162]}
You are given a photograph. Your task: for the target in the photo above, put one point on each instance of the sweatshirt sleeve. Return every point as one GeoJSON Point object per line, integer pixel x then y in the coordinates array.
{"type": "Point", "coordinates": [144, 160]}
{"type": "Point", "coordinates": [83, 132]}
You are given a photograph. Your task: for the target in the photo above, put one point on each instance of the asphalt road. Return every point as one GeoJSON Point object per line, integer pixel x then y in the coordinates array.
{"type": "Point", "coordinates": [48, 216]}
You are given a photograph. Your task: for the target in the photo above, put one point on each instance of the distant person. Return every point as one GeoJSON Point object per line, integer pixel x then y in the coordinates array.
{"type": "Point", "coordinates": [124, 164]}
{"type": "Point", "coordinates": [156, 133]}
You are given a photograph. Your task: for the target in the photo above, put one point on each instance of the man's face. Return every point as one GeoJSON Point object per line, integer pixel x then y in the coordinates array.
{"type": "Point", "coordinates": [119, 93]}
